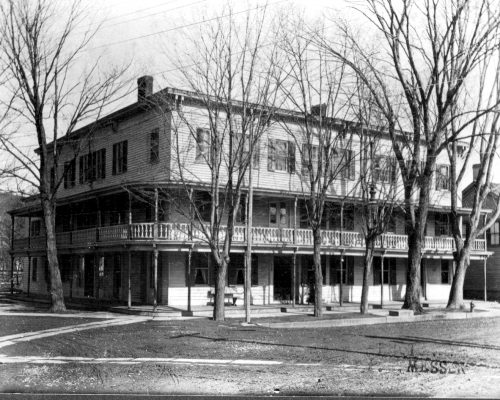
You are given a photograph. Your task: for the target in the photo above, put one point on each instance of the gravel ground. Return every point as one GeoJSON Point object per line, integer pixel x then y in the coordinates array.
{"type": "Point", "coordinates": [357, 360]}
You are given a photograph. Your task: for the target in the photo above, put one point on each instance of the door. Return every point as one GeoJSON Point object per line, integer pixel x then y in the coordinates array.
{"type": "Point", "coordinates": [89, 271]}
{"type": "Point", "coordinates": [117, 275]}
{"type": "Point", "coordinates": [283, 278]}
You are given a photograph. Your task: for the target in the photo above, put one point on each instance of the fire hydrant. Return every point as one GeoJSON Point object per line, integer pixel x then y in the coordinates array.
{"type": "Point", "coordinates": [472, 306]}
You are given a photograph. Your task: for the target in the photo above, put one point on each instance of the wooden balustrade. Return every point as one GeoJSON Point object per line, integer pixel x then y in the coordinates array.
{"type": "Point", "coordinates": [183, 232]}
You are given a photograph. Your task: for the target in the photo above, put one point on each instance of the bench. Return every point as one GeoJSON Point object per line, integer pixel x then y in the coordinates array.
{"type": "Point", "coordinates": [230, 297]}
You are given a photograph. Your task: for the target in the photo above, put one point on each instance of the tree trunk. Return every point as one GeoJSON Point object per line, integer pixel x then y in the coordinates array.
{"type": "Point", "coordinates": [366, 275]}
{"type": "Point", "coordinates": [56, 288]}
{"type": "Point", "coordinates": [220, 286]}
{"type": "Point", "coordinates": [456, 299]}
{"type": "Point", "coordinates": [318, 275]}
{"type": "Point", "coordinates": [412, 296]}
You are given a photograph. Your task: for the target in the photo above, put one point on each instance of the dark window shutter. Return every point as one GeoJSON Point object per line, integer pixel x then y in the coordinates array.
{"type": "Point", "coordinates": [352, 164]}
{"type": "Point", "coordinates": [392, 271]}
{"type": "Point", "coordinates": [291, 157]}
{"type": "Point", "coordinates": [377, 270]}
{"type": "Point", "coordinates": [103, 163]}
{"type": "Point", "coordinates": [350, 270]}
{"type": "Point", "coordinates": [255, 270]}
{"type": "Point", "coordinates": [114, 158]}
{"type": "Point", "coordinates": [81, 170]}
{"type": "Point", "coordinates": [125, 154]}
{"type": "Point", "coordinates": [271, 155]}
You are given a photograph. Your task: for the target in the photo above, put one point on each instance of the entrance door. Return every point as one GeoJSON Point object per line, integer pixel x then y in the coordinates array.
{"type": "Point", "coordinates": [88, 289]}
{"type": "Point", "coordinates": [117, 275]}
{"type": "Point", "coordinates": [282, 278]}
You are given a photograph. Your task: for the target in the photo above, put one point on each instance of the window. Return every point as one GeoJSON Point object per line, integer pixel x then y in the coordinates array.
{"type": "Point", "coordinates": [69, 174]}
{"type": "Point", "coordinates": [308, 270]}
{"type": "Point", "coordinates": [120, 156]}
{"type": "Point", "coordinates": [93, 166]}
{"type": "Point", "coordinates": [203, 201]}
{"type": "Point", "coordinates": [344, 270]}
{"type": "Point", "coordinates": [202, 145]}
{"type": "Point", "coordinates": [442, 177]}
{"type": "Point", "coordinates": [117, 271]}
{"type": "Point", "coordinates": [242, 149]}
{"type": "Point", "coordinates": [442, 224]}
{"type": "Point", "coordinates": [445, 271]}
{"type": "Point", "coordinates": [389, 271]}
{"type": "Point", "coordinates": [278, 214]}
{"type": "Point", "coordinates": [309, 151]}
{"type": "Point", "coordinates": [199, 268]}
{"type": "Point", "coordinates": [154, 146]}
{"type": "Point", "coordinates": [35, 228]}
{"type": "Point", "coordinates": [493, 234]}
{"type": "Point", "coordinates": [343, 164]}
{"type": "Point", "coordinates": [241, 214]}
{"type": "Point", "coordinates": [281, 156]}
{"type": "Point", "coordinates": [384, 169]}
{"type": "Point", "coordinates": [34, 269]}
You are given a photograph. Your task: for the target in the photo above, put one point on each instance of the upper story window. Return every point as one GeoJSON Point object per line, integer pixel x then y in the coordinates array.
{"type": "Point", "coordinates": [493, 234]}
{"type": "Point", "coordinates": [241, 148]}
{"type": "Point", "coordinates": [120, 155]}
{"type": "Point", "coordinates": [202, 145]}
{"type": "Point", "coordinates": [93, 166]}
{"type": "Point", "coordinates": [442, 177]}
{"type": "Point", "coordinates": [281, 156]}
{"type": "Point", "coordinates": [442, 224]}
{"type": "Point", "coordinates": [309, 156]}
{"type": "Point", "coordinates": [203, 203]}
{"type": "Point", "coordinates": [344, 163]}
{"type": "Point", "coordinates": [278, 214]}
{"type": "Point", "coordinates": [69, 174]}
{"type": "Point", "coordinates": [35, 227]}
{"type": "Point", "coordinates": [154, 146]}
{"type": "Point", "coordinates": [384, 169]}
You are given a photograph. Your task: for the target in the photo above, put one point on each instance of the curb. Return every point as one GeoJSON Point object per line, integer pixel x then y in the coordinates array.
{"type": "Point", "coordinates": [380, 320]}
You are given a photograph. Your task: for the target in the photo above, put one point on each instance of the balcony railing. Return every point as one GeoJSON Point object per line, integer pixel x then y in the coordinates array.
{"type": "Point", "coordinates": [165, 232]}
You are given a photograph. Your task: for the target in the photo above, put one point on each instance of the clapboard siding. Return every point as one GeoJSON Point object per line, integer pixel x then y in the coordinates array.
{"type": "Point", "coordinates": [136, 130]}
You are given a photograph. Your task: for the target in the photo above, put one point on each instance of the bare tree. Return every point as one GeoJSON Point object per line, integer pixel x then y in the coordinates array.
{"type": "Point", "coordinates": [432, 49]}
{"type": "Point", "coordinates": [316, 88]}
{"type": "Point", "coordinates": [230, 64]}
{"type": "Point", "coordinates": [379, 185]}
{"type": "Point", "coordinates": [483, 136]}
{"type": "Point", "coordinates": [48, 90]}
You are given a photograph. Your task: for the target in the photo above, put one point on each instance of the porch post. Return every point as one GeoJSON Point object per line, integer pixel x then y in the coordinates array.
{"type": "Point", "coordinates": [294, 276]}
{"type": "Point", "coordinates": [382, 280]}
{"type": "Point", "coordinates": [98, 219]}
{"type": "Point", "coordinates": [189, 278]}
{"type": "Point", "coordinates": [485, 283]}
{"type": "Point", "coordinates": [155, 232]}
{"type": "Point", "coordinates": [129, 216]}
{"type": "Point", "coordinates": [155, 277]}
{"type": "Point", "coordinates": [341, 300]}
{"type": "Point", "coordinates": [129, 287]}
{"type": "Point", "coordinates": [12, 221]}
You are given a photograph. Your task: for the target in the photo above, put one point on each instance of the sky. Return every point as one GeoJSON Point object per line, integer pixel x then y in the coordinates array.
{"type": "Point", "coordinates": [142, 33]}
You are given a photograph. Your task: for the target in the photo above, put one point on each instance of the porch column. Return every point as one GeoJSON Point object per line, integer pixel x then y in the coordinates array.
{"type": "Point", "coordinates": [98, 219]}
{"type": "Point", "coordinates": [129, 216]}
{"type": "Point", "coordinates": [485, 283]}
{"type": "Point", "coordinates": [341, 300]}
{"type": "Point", "coordinates": [155, 277]}
{"type": "Point", "coordinates": [382, 279]}
{"type": "Point", "coordinates": [129, 286]}
{"type": "Point", "coordinates": [189, 278]}
{"type": "Point", "coordinates": [12, 221]}
{"type": "Point", "coordinates": [155, 231]}
{"type": "Point", "coordinates": [294, 275]}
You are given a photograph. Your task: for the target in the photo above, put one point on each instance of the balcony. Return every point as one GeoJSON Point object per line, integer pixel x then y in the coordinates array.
{"type": "Point", "coordinates": [166, 232]}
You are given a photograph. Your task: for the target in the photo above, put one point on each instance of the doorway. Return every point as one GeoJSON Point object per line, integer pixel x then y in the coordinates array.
{"type": "Point", "coordinates": [283, 278]}
{"type": "Point", "coordinates": [89, 271]}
